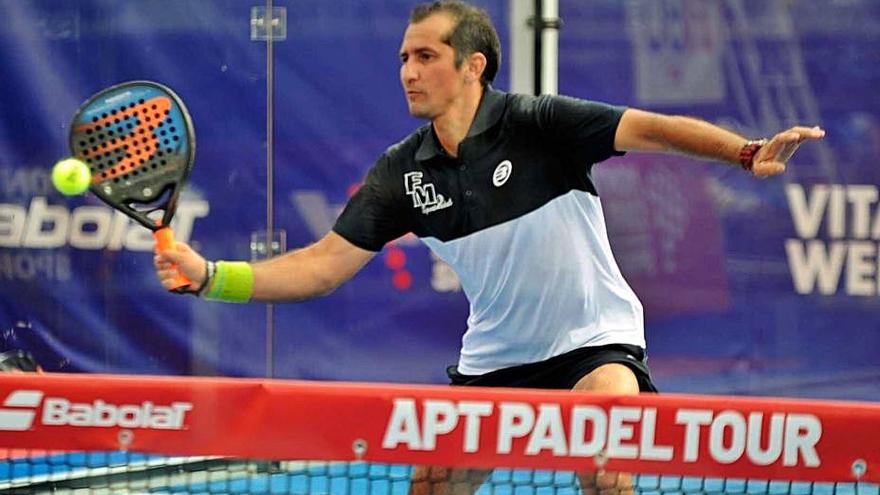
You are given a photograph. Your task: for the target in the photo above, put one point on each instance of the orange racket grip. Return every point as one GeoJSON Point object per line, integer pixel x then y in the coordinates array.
{"type": "Point", "coordinates": [165, 242]}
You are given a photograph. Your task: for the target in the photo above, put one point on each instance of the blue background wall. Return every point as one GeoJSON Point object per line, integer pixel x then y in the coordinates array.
{"type": "Point", "coordinates": [750, 286]}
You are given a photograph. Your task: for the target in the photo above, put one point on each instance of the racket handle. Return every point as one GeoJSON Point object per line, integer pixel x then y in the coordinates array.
{"type": "Point", "coordinates": [165, 242]}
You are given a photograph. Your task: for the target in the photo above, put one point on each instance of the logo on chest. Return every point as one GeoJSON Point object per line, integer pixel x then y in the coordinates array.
{"type": "Point", "coordinates": [502, 173]}
{"type": "Point", "coordinates": [424, 196]}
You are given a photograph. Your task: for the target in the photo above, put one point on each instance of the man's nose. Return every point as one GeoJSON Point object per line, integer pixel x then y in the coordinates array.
{"type": "Point", "coordinates": [408, 72]}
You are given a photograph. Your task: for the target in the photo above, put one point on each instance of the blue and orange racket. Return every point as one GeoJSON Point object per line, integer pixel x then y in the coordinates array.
{"type": "Point", "coordinates": [138, 140]}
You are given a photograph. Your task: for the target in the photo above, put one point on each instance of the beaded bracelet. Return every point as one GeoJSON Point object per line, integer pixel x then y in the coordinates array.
{"type": "Point", "coordinates": [748, 152]}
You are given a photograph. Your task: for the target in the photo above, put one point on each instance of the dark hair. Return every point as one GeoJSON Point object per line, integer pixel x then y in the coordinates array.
{"type": "Point", "coordinates": [472, 33]}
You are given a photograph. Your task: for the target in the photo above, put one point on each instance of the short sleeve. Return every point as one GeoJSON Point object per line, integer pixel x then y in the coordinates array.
{"type": "Point", "coordinates": [372, 216]}
{"type": "Point", "coordinates": [583, 130]}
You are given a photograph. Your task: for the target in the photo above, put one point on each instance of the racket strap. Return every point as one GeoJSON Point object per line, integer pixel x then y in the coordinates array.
{"type": "Point", "coordinates": [233, 281]}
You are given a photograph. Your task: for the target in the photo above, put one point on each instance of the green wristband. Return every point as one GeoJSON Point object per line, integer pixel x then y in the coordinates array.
{"type": "Point", "coordinates": [233, 282]}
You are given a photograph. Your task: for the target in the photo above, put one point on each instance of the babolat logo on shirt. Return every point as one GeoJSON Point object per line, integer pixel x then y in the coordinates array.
{"type": "Point", "coordinates": [19, 413]}
{"type": "Point", "coordinates": [423, 195]}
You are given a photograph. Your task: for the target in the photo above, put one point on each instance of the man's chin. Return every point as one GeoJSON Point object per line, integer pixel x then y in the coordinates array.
{"type": "Point", "coordinates": [420, 113]}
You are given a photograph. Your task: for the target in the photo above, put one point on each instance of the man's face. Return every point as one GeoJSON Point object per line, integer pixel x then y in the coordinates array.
{"type": "Point", "coordinates": [427, 71]}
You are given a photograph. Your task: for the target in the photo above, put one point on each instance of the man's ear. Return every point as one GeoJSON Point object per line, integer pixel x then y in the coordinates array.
{"type": "Point", "coordinates": [476, 65]}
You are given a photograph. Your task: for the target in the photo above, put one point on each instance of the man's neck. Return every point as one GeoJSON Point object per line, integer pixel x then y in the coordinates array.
{"type": "Point", "coordinates": [453, 126]}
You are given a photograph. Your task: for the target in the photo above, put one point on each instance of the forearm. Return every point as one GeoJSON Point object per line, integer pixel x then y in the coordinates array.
{"type": "Point", "coordinates": [294, 276]}
{"type": "Point", "coordinates": [639, 130]}
{"type": "Point", "coordinates": [645, 131]}
{"type": "Point", "coordinates": [309, 272]}
{"type": "Point", "coordinates": [700, 139]}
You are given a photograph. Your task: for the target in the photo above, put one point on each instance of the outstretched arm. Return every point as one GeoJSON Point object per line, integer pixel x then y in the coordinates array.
{"type": "Point", "coordinates": [315, 270]}
{"type": "Point", "coordinates": [646, 131]}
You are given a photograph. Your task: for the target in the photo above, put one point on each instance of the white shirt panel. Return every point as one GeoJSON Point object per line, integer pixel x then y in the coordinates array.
{"type": "Point", "coordinates": [541, 285]}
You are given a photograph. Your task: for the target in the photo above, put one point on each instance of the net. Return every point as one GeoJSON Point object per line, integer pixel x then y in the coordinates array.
{"type": "Point", "coordinates": [118, 434]}
{"type": "Point", "coordinates": [121, 472]}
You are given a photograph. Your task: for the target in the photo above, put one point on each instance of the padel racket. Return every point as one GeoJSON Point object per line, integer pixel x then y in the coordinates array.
{"type": "Point", "coordinates": [137, 138]}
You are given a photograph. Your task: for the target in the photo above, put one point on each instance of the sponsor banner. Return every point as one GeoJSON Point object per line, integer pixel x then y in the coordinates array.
{"type": "Point", "coordinates": [749, 287]}
{"type": "Point", "coordinates": [473, 427]}
{"type": "Point", "coordinates": [838, 229]}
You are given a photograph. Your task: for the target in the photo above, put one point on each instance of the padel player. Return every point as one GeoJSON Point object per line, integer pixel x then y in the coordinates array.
{"type": "Point", "coordinates": [499, 186]}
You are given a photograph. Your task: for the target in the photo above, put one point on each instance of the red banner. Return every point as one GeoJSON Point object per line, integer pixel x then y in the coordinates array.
{"type": "Point", "coordinates": [449, 426]}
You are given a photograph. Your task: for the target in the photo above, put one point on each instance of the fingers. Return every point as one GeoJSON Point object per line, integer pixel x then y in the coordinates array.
{"type": "Point", "coordinates": [805, 133]}
{"type": "Point", "coordinates": [768, 168]}
{"type": "Point", "coordinates": [181, 251]}
{"type": "Point", "coordinates": [167, 277]}
{"type": "Point", "coordinates": [180, 260]}
{"type": "Point", "coordinates": [771, 159]}
{"type": "Point", "coordinates": [788, 141]}
{"type": "Point", "coordinates": [166, 270]}
{"type": "Point", "coordinates": [785, 143]}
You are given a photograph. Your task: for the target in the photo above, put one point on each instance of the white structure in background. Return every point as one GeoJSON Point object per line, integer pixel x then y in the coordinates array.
{"type": "Point", "coordinates": [689, 51]}
{"type": "Point", "coordinates": [772, 89]}
{"type": "Point", "coordinates": [522, 24]}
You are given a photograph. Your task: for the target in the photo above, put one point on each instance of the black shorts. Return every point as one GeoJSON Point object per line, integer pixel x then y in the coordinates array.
{"type": "Point", "coordinates": [563, 371]}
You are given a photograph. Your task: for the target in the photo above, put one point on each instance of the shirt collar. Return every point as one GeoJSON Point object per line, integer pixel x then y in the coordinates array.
{"type": "Point", "coordinates": [488, 114]}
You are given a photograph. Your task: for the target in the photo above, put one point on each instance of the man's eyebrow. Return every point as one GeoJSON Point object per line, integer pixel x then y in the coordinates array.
{"type": "Point", "coordinates": [416, 51]}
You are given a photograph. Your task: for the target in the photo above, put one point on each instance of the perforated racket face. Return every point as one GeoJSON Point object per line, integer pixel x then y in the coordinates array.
{"type": "Point", "coordinates": [138, 141]}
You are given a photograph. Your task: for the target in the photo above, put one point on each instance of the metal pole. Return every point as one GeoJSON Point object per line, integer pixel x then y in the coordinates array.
{"type": "Point", "coordinates": [538, 50]}
{"type": "Point", "coordinates": [549, 54]}
{"type": "Point", "coordinates": [270, 182]}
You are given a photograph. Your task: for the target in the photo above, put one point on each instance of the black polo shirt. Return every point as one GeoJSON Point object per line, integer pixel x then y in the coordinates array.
{"type": "Point", "coordinates": [518, 218]}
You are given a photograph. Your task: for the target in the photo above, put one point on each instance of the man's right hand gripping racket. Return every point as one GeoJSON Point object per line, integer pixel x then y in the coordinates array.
{"type": "Point", "coordinates": [137, 138]}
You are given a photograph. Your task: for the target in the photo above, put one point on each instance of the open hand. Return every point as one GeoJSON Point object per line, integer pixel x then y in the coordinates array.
{"type": "Point", "coordinates": [772, 157]}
